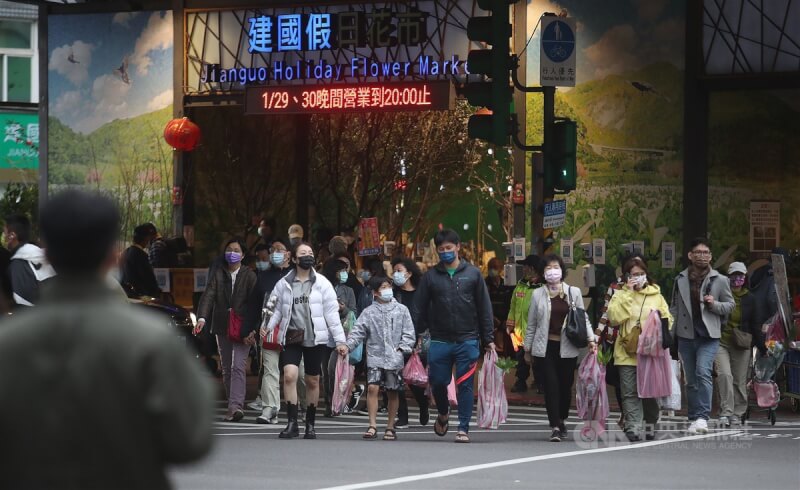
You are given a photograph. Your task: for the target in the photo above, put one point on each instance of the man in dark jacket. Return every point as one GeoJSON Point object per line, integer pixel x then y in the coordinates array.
{"type": "Point", "coordinates": [455, 295]}
{"type": "Point", "coordinates": [109, 396]}
{"type": "Point", "coordinates": [136, 268]}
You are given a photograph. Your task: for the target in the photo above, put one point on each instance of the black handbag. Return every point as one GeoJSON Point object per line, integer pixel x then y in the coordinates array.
{"type": "Point", "coordinates": [575, 329]}
{"type": "Point", "coordinates": [294, 336]}
{"type": "Point", "coordinates": [666, 336]}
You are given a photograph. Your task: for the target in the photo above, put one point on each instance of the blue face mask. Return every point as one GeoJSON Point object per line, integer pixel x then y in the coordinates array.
{"type": "Point", "coordinates": [447, 257]}
{"type": "Point", "coordinates": [343, 275]}
{"type": "Point", "coordinates": [262, 265]}
{"type": "Point", "coordinates": [277, 258]}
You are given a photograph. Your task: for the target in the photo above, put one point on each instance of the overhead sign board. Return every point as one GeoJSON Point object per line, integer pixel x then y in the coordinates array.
{"type": "Point", "coordinates": [557, 52]}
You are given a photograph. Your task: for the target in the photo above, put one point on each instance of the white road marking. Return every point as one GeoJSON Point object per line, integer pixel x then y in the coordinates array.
{"type": "Point", "coordinates": [499, 464]}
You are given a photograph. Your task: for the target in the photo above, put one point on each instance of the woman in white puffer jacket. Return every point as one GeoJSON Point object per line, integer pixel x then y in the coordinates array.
{"type": "Point", "coordinates": [306, 316]}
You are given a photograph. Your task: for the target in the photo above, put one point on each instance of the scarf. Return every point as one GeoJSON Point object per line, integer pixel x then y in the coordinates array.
{"type": "Point", "coordinates": [696, 278]}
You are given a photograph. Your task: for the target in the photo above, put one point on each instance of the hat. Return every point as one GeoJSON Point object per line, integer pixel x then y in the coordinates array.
{"type": "Point", "coordinates": [531, 261]}
{"type": "Point", "coordinates": [737, 267]}
{"type": "Point", "coordinates": [295, 231]}
{"type": "Point", "coordinates": [337, 244]}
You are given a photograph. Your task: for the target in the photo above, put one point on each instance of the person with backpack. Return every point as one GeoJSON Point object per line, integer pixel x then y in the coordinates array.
{"type": "Point", "coordinates": [28, 266]}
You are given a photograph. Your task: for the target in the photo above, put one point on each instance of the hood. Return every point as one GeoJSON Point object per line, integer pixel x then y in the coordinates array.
{"type": "Point", "coordinates": [29, 252]}
{"type": "Point", "coordinates": [650, 290]}
{"type": "Point", "coordinates": [760, 275]}
{"type": "Point", "coordinates": [386, 307]}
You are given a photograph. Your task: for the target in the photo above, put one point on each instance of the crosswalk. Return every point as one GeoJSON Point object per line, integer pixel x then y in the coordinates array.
{"type": "Point", "coordinates": [520, 419]}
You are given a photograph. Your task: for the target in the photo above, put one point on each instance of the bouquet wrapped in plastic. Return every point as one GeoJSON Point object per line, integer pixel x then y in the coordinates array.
{"type": "Point", "coordinates": [492, 403]}
{"type": "Point", "coordinates": [654, 364]}
{"type": "Point", "coordinates": [343, 385]}
{"type": "Point", "coordinates": [592, 398]}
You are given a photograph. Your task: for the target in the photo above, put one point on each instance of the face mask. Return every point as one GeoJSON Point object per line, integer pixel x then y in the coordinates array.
{"type": "Point", "coordinates": [641, 281]}
{"type": "Point", "coordinates": [365, 275]}
{"type": "Point", "coordinates": [343, 275]}
{"type": "Point", "coordinates": [306, 262]}
{"type": "Point", "coordinates": [262, 265]}
{"type": "Point", "coordinates": [233, 257]}
{"type": "Point", "coordinates": [552, 276]}
{"type": "Point", "coordinates": [447, 257]}
{"type": "Point", "coordinates": [386, 295]}
{"type": "Point", "coordinates": [277, 258]}
{"type": "Point", "coordinates": [399, 279]}
{"type": "Point", "coordinates": [737, 282]}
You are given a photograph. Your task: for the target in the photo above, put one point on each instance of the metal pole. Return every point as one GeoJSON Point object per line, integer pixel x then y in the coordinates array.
{"type": "Point", "coordinates": [518, 155]}
{"type": "Point", "coordinates": [44, 141]}
{"type": "Point", "coordinates": [178, 178]}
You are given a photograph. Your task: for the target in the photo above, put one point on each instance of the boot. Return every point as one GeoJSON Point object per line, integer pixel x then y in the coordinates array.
{"type": "Point", "coordinates": [311, 417]}
{"type": "Point", "coordinates": [291, 431]}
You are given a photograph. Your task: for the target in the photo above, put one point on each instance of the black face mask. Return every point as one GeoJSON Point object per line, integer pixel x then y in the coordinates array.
{"type": "Point", "coordinates": [306, 262]}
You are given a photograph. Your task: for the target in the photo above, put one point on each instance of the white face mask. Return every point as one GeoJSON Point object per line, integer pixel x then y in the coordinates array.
{"type": "Point", "coordinates": [386, 295]}
{"type": "Point", "coordinates": [641, 281]}
{"type": "Point", "coordinates": [399, 279]}
{"type": "Point", "coordinates": [552, 276]}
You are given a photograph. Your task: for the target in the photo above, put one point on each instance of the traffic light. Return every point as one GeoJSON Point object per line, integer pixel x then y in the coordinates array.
{"type": "Point", "coordinates": [495, 63]}
{"type": "Point", "coordinates": [561, 168]}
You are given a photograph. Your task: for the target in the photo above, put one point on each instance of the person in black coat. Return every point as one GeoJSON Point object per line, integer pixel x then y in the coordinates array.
{"type": "Point", "coordinates": [136, 269]}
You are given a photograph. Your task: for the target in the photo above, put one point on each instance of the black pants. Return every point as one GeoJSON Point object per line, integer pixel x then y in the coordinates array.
{"type": "Point", "coordinates": [559, 376]}
{"type": "Point", "coordinates": [523, 369]}
{"type": "Point", "coordinates": [612, 379]}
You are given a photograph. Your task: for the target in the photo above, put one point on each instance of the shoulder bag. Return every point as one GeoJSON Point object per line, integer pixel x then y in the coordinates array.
{"type": "Point", "coordinates": [575, 329]}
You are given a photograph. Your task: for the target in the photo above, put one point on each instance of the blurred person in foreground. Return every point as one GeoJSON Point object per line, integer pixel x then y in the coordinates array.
{"type": "Point", "coordinates": [109, 397]}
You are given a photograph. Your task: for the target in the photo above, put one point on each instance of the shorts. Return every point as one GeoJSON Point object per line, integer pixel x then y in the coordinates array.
{"type": "Point", "coordinates": [390, 379]}
{"type": "Point", "coordinates": [312, 357]}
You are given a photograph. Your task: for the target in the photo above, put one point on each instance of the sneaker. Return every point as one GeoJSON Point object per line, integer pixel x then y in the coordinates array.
{"type": "Point", "coordinates": [519, 388]}
{"type": "Point", "coordinates": [401, 424]}
{"type": "Point", "coordinates": [556, 435]}
{"type": "Point", "coordinates": [650, 432]}
{"type": "Point", "coordinates": [562, 429]}
{"type": "Point", "coordinates": [268, 416]}
{"type": "Point", "coordinates": [383, 410]}
{"type": "Point", "coordinates": [725, 421]}
{"type": "Point", "coordinates": [256, 405]}
{"type": "Point", "coordinates": [702, 426]}
{"type": "Point", "coordinates": [735, 421]}
{"type": "Point", "coordinates": [424, 415]}
{"type": "Point", "coordinates": [633, 436]}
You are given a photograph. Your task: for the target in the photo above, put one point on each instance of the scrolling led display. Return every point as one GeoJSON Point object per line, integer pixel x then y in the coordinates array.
{"type": "Point", "coordinates": [365, 97]}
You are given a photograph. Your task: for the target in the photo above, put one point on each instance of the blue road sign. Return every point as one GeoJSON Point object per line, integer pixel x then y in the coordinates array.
{"type": "Point", "coordinates": [558, 41]}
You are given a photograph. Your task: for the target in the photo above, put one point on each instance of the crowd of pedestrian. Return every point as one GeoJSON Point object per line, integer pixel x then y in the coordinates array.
{"type": "Point", "coordinates": [300, 309]}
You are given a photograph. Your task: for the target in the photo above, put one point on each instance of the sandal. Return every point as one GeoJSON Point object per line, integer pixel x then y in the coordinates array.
{"type": "Point", "coordinates": [390, 435]}
{"type": "Point", "coordinates": [462, 438]}
{"type": "Point", "coordinates": [442, 425]}
{"type": "Point", "coordinates": [371, 433]}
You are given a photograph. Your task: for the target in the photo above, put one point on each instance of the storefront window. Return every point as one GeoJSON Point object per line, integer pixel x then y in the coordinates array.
{"type": "Point", "coordinates": [15, 35]}
{"type": "Point", "coordinates": [18, 61]}
{"type": "Point", "coordinates": [19, 79]}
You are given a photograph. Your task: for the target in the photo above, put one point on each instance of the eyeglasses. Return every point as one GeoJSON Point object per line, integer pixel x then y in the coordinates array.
{"type": "Point", "coordinates": [701, 253]}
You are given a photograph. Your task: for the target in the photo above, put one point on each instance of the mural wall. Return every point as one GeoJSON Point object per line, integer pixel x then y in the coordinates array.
{"type": "Point", "coordinates": [628, 103]}
{"type": "Point", "coordinates": [110, 85]}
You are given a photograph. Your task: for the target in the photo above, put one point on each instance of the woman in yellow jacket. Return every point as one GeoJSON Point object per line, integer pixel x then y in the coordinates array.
{"type": "Point", "coordinates": [629, 308]}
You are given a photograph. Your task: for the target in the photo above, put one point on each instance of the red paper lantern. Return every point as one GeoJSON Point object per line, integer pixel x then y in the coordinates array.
{"type": "Point", "coordinates": [182, 134]}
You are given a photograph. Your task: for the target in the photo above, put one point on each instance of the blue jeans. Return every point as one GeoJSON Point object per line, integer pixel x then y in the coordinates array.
{"type": "Point", "coordinates": [698, 356]}
{"type": "Point", "coordinates": [441, 357]}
